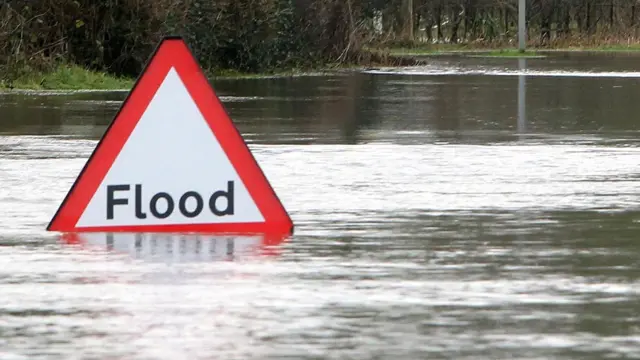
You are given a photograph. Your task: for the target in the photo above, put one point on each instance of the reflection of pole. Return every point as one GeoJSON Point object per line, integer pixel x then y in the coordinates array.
{"type": "Point", "coordinates": [522, 119]}
{"type": "Point", "coordinates": [522, 27]}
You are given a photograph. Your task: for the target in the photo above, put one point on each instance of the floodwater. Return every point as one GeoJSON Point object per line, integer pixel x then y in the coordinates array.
{"type": "Point", "coordinates": [431, 222]}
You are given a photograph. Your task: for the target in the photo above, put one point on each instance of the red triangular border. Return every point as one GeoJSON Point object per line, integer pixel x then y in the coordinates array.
{"type": "Point", "coordinates": [172, 52]}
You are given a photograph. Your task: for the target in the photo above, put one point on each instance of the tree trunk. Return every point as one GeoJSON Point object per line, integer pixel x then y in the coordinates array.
{"type": "Point", "coordinates": [407, 20]}
{"type": "Point", "coordinates": [439, 21]}
{"type": "Point", "coordinates": [611, 14]}
{"type": "Point", "coordinates": [457, 19]}
{"type": "Point", "coordinates": [588, 18]}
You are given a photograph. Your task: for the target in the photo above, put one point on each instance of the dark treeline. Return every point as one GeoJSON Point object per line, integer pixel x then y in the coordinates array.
{"type": "Point", "coordinates": [258, 35]}
{"type": "Point", "coordinates": [119, 35]}
{"type": "Point", "coordinates": [548, 21]}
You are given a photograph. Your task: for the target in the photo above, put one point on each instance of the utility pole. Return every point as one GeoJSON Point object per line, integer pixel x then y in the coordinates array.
{"type": "Point", "coordinates": [522, 25]}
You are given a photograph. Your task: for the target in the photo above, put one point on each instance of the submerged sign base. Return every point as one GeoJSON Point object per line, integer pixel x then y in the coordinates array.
{"type": "Point", "coordinates": [177, 247]}
{"type": "Point", "coordinates": [172, 161]}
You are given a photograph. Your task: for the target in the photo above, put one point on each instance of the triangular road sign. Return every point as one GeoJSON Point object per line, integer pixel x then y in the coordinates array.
{"type": "Point", "coordinates": [171, 161]}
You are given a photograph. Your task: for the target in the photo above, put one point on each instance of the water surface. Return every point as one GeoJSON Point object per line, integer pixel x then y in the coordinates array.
{"type": "Point", "coordinates": [430, 223]}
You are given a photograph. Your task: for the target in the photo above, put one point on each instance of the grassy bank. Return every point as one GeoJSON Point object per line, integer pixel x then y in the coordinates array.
{"type": "Point", "coordinates": [66, 77]}
{"type": "Point", "coordinates": [455, 49]}
{"type": "Point", "coordinates": [72, 77]}
{"type": "Point", "coordinates": [487, 50]}
{"type": "Point", "coordinates": [602, 48]}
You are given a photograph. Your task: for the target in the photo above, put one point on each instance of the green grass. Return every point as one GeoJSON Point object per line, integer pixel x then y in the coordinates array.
{"type": "Point", "coordinates": [462, 50]}
{"type": "Point", "coordinates": [489, 51]}
{"type": "Point", "coordinates": [602, 48]}
{"type": "Point", "coordinates": [73, 77]}
{"type": "Point", "coordinates": [630, 47]}
{"type": "Point", "coordinates": [68, 77]}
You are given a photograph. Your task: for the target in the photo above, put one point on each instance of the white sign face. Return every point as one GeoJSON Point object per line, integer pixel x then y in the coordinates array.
{"type": "Point", "coordinates": [171, 170]}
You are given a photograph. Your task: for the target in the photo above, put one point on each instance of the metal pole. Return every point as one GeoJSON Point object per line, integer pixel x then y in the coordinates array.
{"type": "Point", "coordinates": [522, 26]}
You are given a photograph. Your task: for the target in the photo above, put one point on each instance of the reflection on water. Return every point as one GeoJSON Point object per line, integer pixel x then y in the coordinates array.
{"type": "Point", "coordinates": [522, 97]}
{"type": "Point", "coordinates": [461, 217]}
{"type": "Point", "coordinates": [177, 248]}
{"type": "Point", "coordinates": [401, 107]}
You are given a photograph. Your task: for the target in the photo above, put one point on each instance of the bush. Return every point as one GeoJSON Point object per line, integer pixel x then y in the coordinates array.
{"type": "Point", "coordinates": [118, 36]}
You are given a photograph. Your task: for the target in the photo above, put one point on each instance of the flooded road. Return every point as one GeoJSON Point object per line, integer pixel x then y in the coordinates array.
{"type": "Point", "coordinates": [430, 223]}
